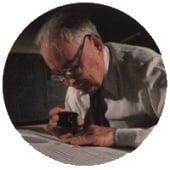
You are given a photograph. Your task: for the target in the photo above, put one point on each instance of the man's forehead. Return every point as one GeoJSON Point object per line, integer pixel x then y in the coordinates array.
{"type": "Point", "coordinates": [59, 54]}
{"type": "Point", "coordinates": [67, 49]}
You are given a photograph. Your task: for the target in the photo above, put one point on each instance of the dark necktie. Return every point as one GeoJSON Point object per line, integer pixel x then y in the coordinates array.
{"type": "Point", "coordinates": [97, 110]}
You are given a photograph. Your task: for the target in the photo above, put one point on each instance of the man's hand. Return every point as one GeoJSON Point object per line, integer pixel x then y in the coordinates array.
{"type": "Point", "coordinates": [52, 127]}
{"type": "Point", "coordinates": [93, 135]}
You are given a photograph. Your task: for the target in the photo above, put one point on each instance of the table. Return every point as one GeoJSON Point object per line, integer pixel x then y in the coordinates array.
{"type": "Point", "coordinates": [77, 155]}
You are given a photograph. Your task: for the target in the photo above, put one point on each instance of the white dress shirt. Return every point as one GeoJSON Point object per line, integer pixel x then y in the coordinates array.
{"type": "Point", "coordinates": [134, 90]}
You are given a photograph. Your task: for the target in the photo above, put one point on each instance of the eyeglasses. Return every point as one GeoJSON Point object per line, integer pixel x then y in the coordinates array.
{"type": "Point", "coordinates": [72, 69]}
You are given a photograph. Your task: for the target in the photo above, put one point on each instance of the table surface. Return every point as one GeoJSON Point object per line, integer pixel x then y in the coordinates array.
{"type": "Point", "coordinates": [76, 155]}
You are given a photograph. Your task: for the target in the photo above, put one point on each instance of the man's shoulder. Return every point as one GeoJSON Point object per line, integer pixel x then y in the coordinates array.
{"type": "Point", "coordinates": [119, 50]}
{"type": "Point", "coordinates": [128, 47]}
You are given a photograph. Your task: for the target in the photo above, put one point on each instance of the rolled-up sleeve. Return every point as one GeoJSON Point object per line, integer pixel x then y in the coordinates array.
{"type": "Point", "coordinates": [130, 137]}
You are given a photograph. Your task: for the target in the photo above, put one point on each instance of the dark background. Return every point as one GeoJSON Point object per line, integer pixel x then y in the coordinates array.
{"type": "Point", "coordinates": [28, 91]}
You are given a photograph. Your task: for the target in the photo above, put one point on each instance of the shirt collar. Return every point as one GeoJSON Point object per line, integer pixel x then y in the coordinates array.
{"type": "Point", "coordinates": [106, 58]}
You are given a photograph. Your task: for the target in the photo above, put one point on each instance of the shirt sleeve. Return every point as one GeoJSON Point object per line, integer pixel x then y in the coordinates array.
{"type": "Point", "coordinates": [156, 85]}
{"type": "Point", "coordinates": [153, 98]}
{"type": "Point", "coordinates": [76, 102]}
{"type": "Point", "coordinates": [130, 137]}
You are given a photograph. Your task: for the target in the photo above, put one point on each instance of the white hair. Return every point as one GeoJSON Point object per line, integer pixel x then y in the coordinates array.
{"type": "Point", "coordinates": [68, 27]}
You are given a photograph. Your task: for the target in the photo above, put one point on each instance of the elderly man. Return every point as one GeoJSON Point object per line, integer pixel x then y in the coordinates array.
{"type": "Point", "coordinates": [117, 89]}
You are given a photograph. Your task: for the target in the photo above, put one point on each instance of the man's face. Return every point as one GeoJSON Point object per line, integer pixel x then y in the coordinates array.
{"type": "Point", "coordinates": [81, 67]}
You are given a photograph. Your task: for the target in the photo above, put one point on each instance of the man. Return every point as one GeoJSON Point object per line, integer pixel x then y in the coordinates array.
{"type": "Point", "coordinates": [131, 81]}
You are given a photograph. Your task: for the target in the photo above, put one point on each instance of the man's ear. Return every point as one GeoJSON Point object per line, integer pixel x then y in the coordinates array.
{"type": "Point", "coordinates": [98, 43]}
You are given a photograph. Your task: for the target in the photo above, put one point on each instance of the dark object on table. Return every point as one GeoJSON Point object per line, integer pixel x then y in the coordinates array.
{"type": "Point", "coordinates": [67, 119]}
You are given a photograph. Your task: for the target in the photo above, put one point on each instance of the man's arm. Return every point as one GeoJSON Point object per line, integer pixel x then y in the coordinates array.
{"type": "Point", "coordinates": [154, 92]}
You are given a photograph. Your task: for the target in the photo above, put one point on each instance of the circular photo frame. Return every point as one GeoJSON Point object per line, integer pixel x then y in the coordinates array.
{"type": "Point", "coordinates": [92, 60]}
